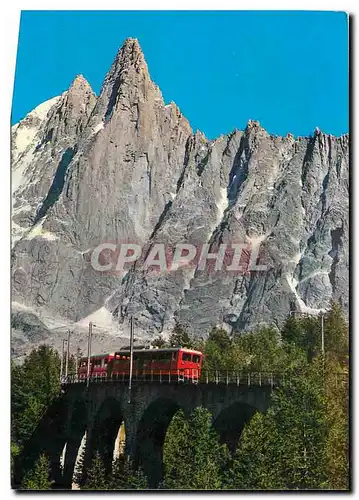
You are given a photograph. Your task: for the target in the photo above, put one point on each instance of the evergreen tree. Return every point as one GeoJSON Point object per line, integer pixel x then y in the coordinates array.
{"type": "Point", "coordinates": [336, 333]}
{"type": "Point", "coordinates": [293, 332]}
{"type": "Point", "coordinates": [220, 337]}
{"type": "Point", "coordinates": [263, 350]}
{"type": "Point", "coordinates": [209, 457]}
{"type": "Point", "coordinates": [139, 480]}
{"type": "Point", "coordinates": [250, 468]}
{"type": "Point", "coordinates": [34, 386]}
{"type": "Point", "coordinates": [14, 452]}
{"type": "Point", "coordinates": [285, 448]}
{"type": "Point", "coordinates": [193, 456]}
{"type": "Point", "coordinates": [337, 444]}
{"type": "Point", "coordinates": [180, 337]}
{"type": "Point", "coordinates": [218, 354]}
{"type": "Point", "coordinates": [96, 478]}
{"type": "Point", "coordinates": [159, 342]}
{"type": "Point", "coordinates": [305, 332]}
{"type": "Point", "coordinates": [175, 453]}
{"type": "Point", "coordinates": [38, 478]}
{"type": "Point", "coordinates": [126, 477]}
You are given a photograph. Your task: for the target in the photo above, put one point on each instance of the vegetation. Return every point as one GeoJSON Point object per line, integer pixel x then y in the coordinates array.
{"type": "Point", "coordinates": [38, 478]}
{"type": "Point", "coordinates": [193, 457]}
{"type": "Point", "coordinates": [123, 476]}
{"type": "Point", "coordinates": [96, 475]}
{"type": "Point", "coordinates": [126, 477]}
{"type": "Point", "coordinates": [178, 338]}
{"type": "Point", "coordinates": [34, 386]}
{"type": "Point", "coordinates": [300, 443]}
{"type": "Point", "coordinates": [181, 337]}
{"type": "Point", "coordinates": [305, 431]}
{"type": "Point", "coordinates": [291, 435]}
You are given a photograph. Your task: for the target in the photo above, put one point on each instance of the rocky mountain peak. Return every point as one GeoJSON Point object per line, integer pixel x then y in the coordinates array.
{"type": "Point", "coordinates": [126, 84]}
{"type": "Point", "coordinates": [254, 128]}
{"type": "Point", "coordinates": [125, 167]}
{"type": "Point", "coordinates": [130, 54]}
{"type": "Point", "coordinates": [80, 85]}
{"type": "Point", "coordinates": [72, 112]}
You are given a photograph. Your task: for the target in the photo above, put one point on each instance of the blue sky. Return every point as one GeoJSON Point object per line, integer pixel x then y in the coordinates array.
{"type": "Point", "coordinates": [289, 70]}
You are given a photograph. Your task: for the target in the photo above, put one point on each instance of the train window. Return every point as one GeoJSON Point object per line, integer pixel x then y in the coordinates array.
{"type": "Point", "coordinates": [165, 356]}
{"type": "Point", "coordinates": [196, 358]}
{"type": "Point", "coordinates": [174, 356]}
{"type": "Point", "coordinates": [186, 356]}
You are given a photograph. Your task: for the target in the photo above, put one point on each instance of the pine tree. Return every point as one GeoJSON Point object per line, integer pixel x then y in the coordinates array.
{"type": "Point", "coordinates": [250, 468]}
{"type": "Point", "coordinates": [175, 453]}
{"type": "Point", "coordinates": [38, 478]}
{"type": "Point", "coordinates": [180, 337]}
{"type": "Point", "coordinates": [193, 456]}
{"type": "Point", "coordinates": [337, 444]}
{"type": "Point", "coordinates": [159, 342]}
{"type": "Point", "coordinates": [221, 338]}
{"type": "Point", "coordinates": [336, 333]}
{"type": "Point", "coordinates": [139, 480]}
{"type": "Point", "coordinates": [285, 448]}
{"type": "Point", "coordinates": [34, 386]}
{"type": "Point", "coordinates": [14, 452]}
{"type": "Point", "coordinates": [292, 331]}
{"type": "Point", "coordinates": [96, 478]}
{"type": "Point", "coordinates": [125, 477]}
{"type": "Point", "coordinates": [209, 457]}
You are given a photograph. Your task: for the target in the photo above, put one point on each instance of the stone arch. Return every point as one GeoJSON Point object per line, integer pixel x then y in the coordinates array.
{"type": "Point", "coordinates": [77, 429]}
{"type": "Point", "coordinates": [151, 433]}
{"type": "Point", "coordinates": [104, 432]}
{"type": "Point", "coordinates": [49, 438]}
{"type": "Point", "coordinates": [231, 421]}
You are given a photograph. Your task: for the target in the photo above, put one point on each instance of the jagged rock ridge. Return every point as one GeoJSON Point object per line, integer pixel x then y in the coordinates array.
{"type": "Point", "coordinates": [126, 167]}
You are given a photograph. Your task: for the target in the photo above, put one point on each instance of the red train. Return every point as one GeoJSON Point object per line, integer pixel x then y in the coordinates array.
{"type": "Point", "coordinates": [176, 362]}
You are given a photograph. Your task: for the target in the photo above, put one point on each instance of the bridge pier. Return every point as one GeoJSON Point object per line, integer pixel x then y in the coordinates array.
{"type": "Point", "coordinates": [72, 450]}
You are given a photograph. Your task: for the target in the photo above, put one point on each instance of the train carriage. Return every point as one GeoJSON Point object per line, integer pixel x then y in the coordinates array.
{"type": "Point", "coordinates": [176, 362]}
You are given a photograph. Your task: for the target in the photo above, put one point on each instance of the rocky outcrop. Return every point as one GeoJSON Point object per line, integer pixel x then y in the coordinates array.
{"type": "Point", "coordinates": [43, 146]}
{"type": "Point", "coordinates": [125, 167]}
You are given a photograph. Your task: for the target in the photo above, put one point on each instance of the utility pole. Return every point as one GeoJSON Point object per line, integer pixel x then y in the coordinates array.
{"type": "Point", "coordinates": [76, 363]}
{"type": "Point", "coordinates": [62, 360]}
{"type": "Point", "coordinates": [89, 353]}
{"type": "Point", "coordinates": [67, 354]}
{"type": "Point", "coordinates": [293, 313]}
{"type": "Point", "coordinates": [131, 360]}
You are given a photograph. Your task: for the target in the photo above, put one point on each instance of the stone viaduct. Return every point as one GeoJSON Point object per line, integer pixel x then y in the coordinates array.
{"type": "Point", "coordinates": [101, 408]}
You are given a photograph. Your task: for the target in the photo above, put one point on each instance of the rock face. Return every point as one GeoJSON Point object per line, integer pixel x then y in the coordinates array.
{"type": "Point", "coordinates": [125, 167]}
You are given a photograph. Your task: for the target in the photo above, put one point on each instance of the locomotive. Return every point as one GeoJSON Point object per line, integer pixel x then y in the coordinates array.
{"type": "Point", "coordinates": [154, 364]}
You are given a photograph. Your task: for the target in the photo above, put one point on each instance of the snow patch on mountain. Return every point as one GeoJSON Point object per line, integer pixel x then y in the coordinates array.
{"type": "Point", "coordinates": [38, 232]}
{"type": "Point", "coordinates": [24, 132]}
